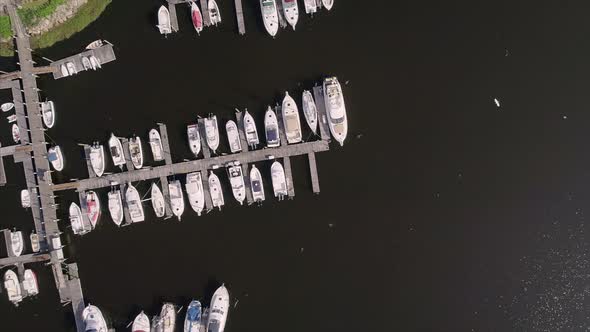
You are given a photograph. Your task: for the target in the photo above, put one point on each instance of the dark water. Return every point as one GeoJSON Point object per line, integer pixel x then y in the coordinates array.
{"type": "Point", "coordinates": [447, 214]}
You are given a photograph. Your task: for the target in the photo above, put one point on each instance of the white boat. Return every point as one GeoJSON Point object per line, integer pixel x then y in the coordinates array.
{"type": "Point", "coordinates": [86, 63]}
{"type": "Point", "coordinates": [94, 45]}
{"type": "Point", "coordinates": [167, 318]}
{"type": "Point", "coordinates": [95, 62]}
{"type": "Point", "coordinates": [251, 131]}
{"type": "Point", "coordinates": [196, 194]}
{"type": "Point", "coordinates": [35, 242]}
{"type": "Point", "coordinates": [233, 136]}
{"type": "Point", "coordinates": [92, 208]}
{"type": "Point", "coordinates": [12, 286]}
{"type": "Point", "coordinates": [17, 243]}
{"type": "Point", "coordinates": [311, 6]}
{"type": "Point", "coordinates": [310, 111]}
{"type": "Point", "coordinates": [48, 112]}
{"type": "Point", "coordinates": [279, 182]}
{"type": "Point", "coordinates": [116, 149]}
{"type": "Point", "coordinates": [215, 191]}
{"type": "Point", "coordinates": [64, 70]}
{"type": "Point", "coordinates": [71, 68]}
{"type": "Point", "coordinates": [212, 132]}
{"type": "Point", "coordinates": [270, 16]}
{"type": "Point", "coordinates": [6, 107]}
{"type": "Point", "coordinates": [116, 206]}
{"type": "Point", "coordinates": [291, 11]}
{"type": "Point", "coordinates": [192, 320]}
{"type": "Point", "coordinates": [328, 4]}
{"type": "Point", "coordinates": [56, 158]}
{"type": "Point", "coordinates": [214, 14]}
{"type": "Point", "coordinates": [158, 202]}
{"type": "Point", "coordinates": [156, 145]}
{"type": "Point", "coordinates": [11, 118]}
{"type": "Point", "coordinates": [141, 323]}
{"type": "Point", "coordinates": [236, 180]}
{"type": "Point", "coordinates": [15, 133]}
{"type": "Point", "coordinates": [77, 220]}
{"type": "Point", "coordinates": [291, 120]}
{"type": "Point", "coordinates": [164, 21]}
{"type": "Point", "coordinates": [136, 152]}
{"type": "Point", "coordinates": [30, 284]}
{"type": "Point", "coordinates": [218, 310]}
{"type": "Point", "coordinates": [335, 109]}
{"type": "Point", "coordinates": [196, 17]}
{"type": "Point", "coordinates": [134, 205]}
{"type": "Point", "coordinates": [176, 198]}
{"type": "Point", "coordinates": [94, 320]}
{"type": "Point", "coordinates": [194, 138]}
{"type": "Point", "coordinates": [97, 160]}
{"type": "Point", "coordinates": [271, 129]}
{"type": "Point", "coordinates": [256, 184]}
{"type": "Point", "coordinates": [25, 198]}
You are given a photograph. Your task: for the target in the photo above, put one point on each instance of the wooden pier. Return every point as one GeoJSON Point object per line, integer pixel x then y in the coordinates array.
{"type": "Point", "coordinates": [240, 17]}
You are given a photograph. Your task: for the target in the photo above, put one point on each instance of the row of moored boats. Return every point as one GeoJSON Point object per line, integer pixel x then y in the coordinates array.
{"type": "Point", "coordinates": [16, 289]}
{"type": "Point", "coordinates": [89, 62]}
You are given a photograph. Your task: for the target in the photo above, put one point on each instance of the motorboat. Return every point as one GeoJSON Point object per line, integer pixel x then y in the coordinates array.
{"type": "Point", "coordinates": [15, 133]}
{"type": "Point", "coordinates": [194, 138]}
{"type": "Point", "coordinates": [93, 208]}
{"type": "Point", "coordinates": [214, 14]}
{"type": "Point", "coordinates": [71, 68]}
{"type": "Point", "coordinates": [310, 111]}
{"type": "Point", "coordinates": [218, 310]}
{"type": "Point", "coordinates": [35, 242]}
{"type": "Point", "coordinates": [196, 194]}
{"type": "Point", "coordinates": [76, 220]}
{"type": "Point", "coordinates": [236, 180]}
{"type": "Point", "coordinates": [192, 321]}
{"type": "Point", "coordinates": [136, 152]}
{"type": "Point", "coordinates": [311, 6]}
{"type": "Point", "coordinates": [12, 286]}
{"type": "Point", "coordinates": [156, 145]}
{"type": "Point", "coordinates": [17, 243]}
{"type": "Point", "coordinates": [95, 62]}
{"type": "Point", "coordinates": [30, 284]}
{"type": "Point", "coordinates": [25, 198]}
{"type": "Point", "coordinates": [251, 131]}
{"type": "Point", "coordinates": [167, 318]}
{"type": "Point", "coordinates": [56, 158]}
{"type": "Point", "coordinates": [196, 17]}
{"type": "Point", "coordinates": [212, 132]}
{"type": "Point", "coordinates": [95, 44]}
{"type": "Point", "coordinates": [176, 198]}
{"type": "Point", "coordinates": [270, 16]}
{"type": "Point", "coordinates": [233, 136]}
{"type": "Point", "coordinates": [291, 120]}
{"type": "Point", "coordinates": [291, 11]}
{"type": "Point", "coordinates": [279, 182]}
{"type": "Point", "coordinates": [116, 206]}
{"type": "Point", "coordinates": [6, 107]}
{"type": "Point", "coordinates": [116, 149]}
{"type": "Point", "coordinates": [134, 205]}
{"type": "Point", "coordinates": [328, 4]}
{"type": "Point", "coordinates": [256, 184]}
{"type": "Point", "coordinates": [164, 21]}
{"type": "Point", "coordinates": [335, 109]}
{"type": "Point", "coordinates": [271, 129]}
{"type": "Point", "coordinates": [94, 320]}
{"type": "Point", "coordinates": [215, 191]}
{"type": "Point", "coordinates": [11, 118]}
{"type": "Point", "coordinates": [97, 160]}
{"type": "Point", "coordinates": [158, 202]}
{"type": "Point", "coordinates": [86, 63]}
{"type": "Point", "coordinates": [141, 323]}
{"type": "Point", "coordinates": [64, 70]}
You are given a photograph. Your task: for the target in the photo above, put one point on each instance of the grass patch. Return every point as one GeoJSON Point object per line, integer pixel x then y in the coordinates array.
{"type": "Point", "coordinates": [33, 13]}
{"type": "Point", "coordinates": [5, 31]}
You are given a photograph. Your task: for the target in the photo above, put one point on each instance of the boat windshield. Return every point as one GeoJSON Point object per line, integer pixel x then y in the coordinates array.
{"type": "Point", "coordinates": [213, 326]}
{"type": "Point", "coordinates": [115, 151]}
{"type": "Point", "coordinates": [271, 135]}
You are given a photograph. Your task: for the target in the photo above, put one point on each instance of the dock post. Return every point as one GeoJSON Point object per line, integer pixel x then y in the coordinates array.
{"type": "Point", "coordinates": [168, 161]}
{"type": "Point", "coordinates": [313, 169]}
{"type": "Point", "coordinates": [318, 95]}
{"type": "Point", "coordinates": [240, 17]}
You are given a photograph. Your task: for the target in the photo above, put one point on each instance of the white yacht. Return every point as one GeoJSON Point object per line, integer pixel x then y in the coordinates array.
{"type": "Point", "coordinates": [30, 284]}
{"type": "Point", "coordinates": [116, 149]}
{"type": "Point", "coordinates": [310, 111]}
{"type": "Point", "coordinates": [196, 194]}
{"type": "Point", "coordinates": [95, 44]}
{"type": "Point", "coordinates": [164, 21]}
{"type": "Point", "coordinates": [328, 4]}
{"type": "Point", "coordinates": [271, 129]}
{"type": "Point", "coordinates": [218, 310]}
{"type": "Point", "coordinates": [256, 184]}
{"type": "Point", "coordinates": [136, 152]}
{"type": "Point", "coordinates": [158, 202]}
{"type": "Point", "coordinates": [76, 220]}
{"type": "Point", "coordinates": [335, 109]}
{"type": "Point", "coordinates": [251, 131]}
{"type": "Point", "coordinates": [176, 198]}
{"type": "Point", "coordinates": [93, 208]}
{"type": "Point", "coordinates": [291, 11]}
{"type": "Point", "coordinates": [48, 113]}
{"type": "Point", "coordinates": [279, 182]}
{"type": "Point", "coordinates": [194, 138]}
{"type": "Point", "coordinates": [236, 180]}
{"type": "Point", "coordinates": [291, 120]}
{"type": "Point", "coordinates": [25, 198]}
{"type": "Point", "coordinates": [156, 145]}
{"type": "Point", "coordinates": [12, 286]}
{"type": "Point", "coordinates": [15, 133]}
{"type": "Point", "coordinates": [6, 107]}
{"type": "Point", "coordinates": [35, 242]}
{"type": "Point", "coordinates": [215, 191]}
{"type": "Point", "coordinates": [17, 243]}
{"type": "Point", "coordinates": [134, 205]}
{"type": "Point", "coordinates": [270, 16]}
{"type": "Point", "coordinates": [97, 160]}
{"type": "Point", "coordinates": [167, 318]}
{"type": "Point", "coordinates": [311, 6]}
{"type": "Point", "coordinates": [212, 132]}
{"type": "Point", "coordinates": [116, 206]}
{"type": "Point", "coordinates": [94, 320]}
{"type": "Point", "coordinates": [141, 323]}
{"type": "Point", "coordinates": [233, 136]}
{"type": "Point", "coordinates": [214, 14]}
{"type": "Point", "coordinates": [56, 158]}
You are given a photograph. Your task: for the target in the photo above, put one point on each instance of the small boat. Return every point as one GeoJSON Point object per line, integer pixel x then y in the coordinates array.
{"type": "Point", "coordinates": [141, 323]}
{"type": "Point", "coordinates": [93, 208]}
{"type": "Point", "coordinates": [136, 152]}
{"type": "Point", "coordinates": [291, 120]}
{"type": "Point", "coordinates": [291, 10]}
{"type": "Point", "coordinates": [279, 182]}
{"type": "Point", "coordinates": [158, 202]}
{"type": "Point", "coordinates": [194, 138]}
{"type": "Point", "coordinates": [35, 242]}
{"type": "Point", "coordinates": [6, 107]}
{"type": "Point", "coordinates": [176, 198]}
{"type": "Point", "coordinates": [86, 63]}
{"type": "Point", "coordinates": [76, 220]}
{"type": "Point", "coordinates": [167, 318]}
{"type": "Point", "coordinates": [71, 68]}
{"type": "Point", "coordinates": [328, 4]}
{"type": "Point", "coordinates": [12, 286]}
{"type": "Point", "coordinates": [64, 70]}
{"type": "Point", "coordinates": [11, 118]}
{"type": "Point", "coordinates": [251, 131]}
{"type": "Point", "coordinates": [196, 194]}
{"type": "Point", "coordinates": [95, 62]}
{"type": "Point", "coordinates": [310, 111]}
{"type": "Point", "coordinates": [56, 158]}
{"type": "Point", "coordinates": [17, 243]}
{"type": "Point", "coordinates": [116, 151]}
{"type": "Point", "coordinates": [15, 133]}
{"type": "Point", "coordinates": [270, 16]}
{"type": "Point", "coordinates": [164, 21]}
{"type": "Point", "coordinates": [215, 191]}
{"type": "Point", "coordinates": [256, 184]}
{"type": "Point", "coordinates": [116, 206]}
{"type": "Point", "coordinates": [156, 145]}
{"type": "Point", "coordinates": [134, 205]}
{"type": "Point", "coordinates": [214, 14]}
{"type": "Point", "coordinates": [94, 45]}
{"type": "Point", "coordinates": [311, 6]}
{"type": "Point", "coordinates": [212, 132]}
{"type": "Point", "coordinates": [97, 159]}
{"type": "Point", "coordinates": [335, 109]}
{"type": "Point", "coordinates": [236, 180]}
{"type": "Point", "coordinates": [233, 136]}
{"type": "Point", "coordinates": [197, 17]}
{"type": "Point", "coordinates": [25, 198]}
{"type": "Point", "coordinates": [30, 284]}
{"type": "Point", "coordinates": [192, 321]}
{"type": "Point", "coordinates": [94, 320]}
{"type": "Point", "coordinates": [271, 129]}
{"type": "Point", "coordinates": [218, 310]}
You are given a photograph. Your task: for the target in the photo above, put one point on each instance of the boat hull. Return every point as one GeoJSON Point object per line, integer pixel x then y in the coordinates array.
{"type": "Point", "coordinates": [141, 323]}
{"type": "Point", "coordinates": [257, 185]}
{"type": "Point", "coordinates": [194, 139]}
{"type": "Point", "coordinates": [291, 11]}
{"type": "Point", "coordinates": [116, 149]}
{"type": "Point", "coordinates": [196, 194]}
{"type": "Point", "coordinates": [196, 17]}
{"type": "Point", "coordinates": [236, 180]}
{"type": "Point", "coordinates": [93, 207]}
{"type": "Point", "coordinates": [335, 109]}
{"type": "Point", "coordinates": [176, 198]}
{"type": "Point", "coordinates": [279, 182]}
{"type": "Point", "coordinates": [212, 133]}
{"type": "Point", "coordinates": [310, 111]}
{"type": "Point", "coordinates": [164, 21]}
{"type": "Point", "coordinates": [12, 286]}
{"type": "Point", "coordinates": [116, 206]}
{"type": "Point", "coordinates": [291, 120]}
{"type": "Point", "coordinates": [94, 319]}
{"type": "Point", "coordinates": [216, 191]}
{"type": "Point", "coordinates": [250, 130]}
{"type": "Point", "coordinates": [97, 160]}
{"type": "Point", "coordinates": [270, 16]}
{"type": "Point", "coordinates": [271, 129]}
{"type": "Point", "coordinates": [134, 205]}
{"type": "Point", "coordinates": [136, 152]}
{"type": "Point", "coordinates": [156, 145]}
{"type": "Point", "coordinates": [218, 310]}
{"type": "Point", "coordinates": [158, 202]}
{"type": "Point", "coordinates": [192, 321]}
{"type": "Point", "coordinates": [233, 137]}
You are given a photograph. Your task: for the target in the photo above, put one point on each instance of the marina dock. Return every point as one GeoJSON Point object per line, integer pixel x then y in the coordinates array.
{"type": "Point", "coordinates": [104, 54]}
{"type": "Point", "coordinates": [240, 17]}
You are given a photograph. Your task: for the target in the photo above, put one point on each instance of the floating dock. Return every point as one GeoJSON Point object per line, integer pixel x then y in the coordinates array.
{"type": "Point", "coordinates": [104, 54]}
{"type": "Point", "coordinates": [240, 17]}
